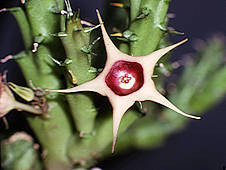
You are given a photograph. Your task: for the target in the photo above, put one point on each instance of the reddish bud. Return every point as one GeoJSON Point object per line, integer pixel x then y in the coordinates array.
{"type": "Point", "coordinates": [6, 98]}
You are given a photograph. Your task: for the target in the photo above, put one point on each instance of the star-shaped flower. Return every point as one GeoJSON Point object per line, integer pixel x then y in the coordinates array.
{"type": "Point", "coordinates": [126, 79]}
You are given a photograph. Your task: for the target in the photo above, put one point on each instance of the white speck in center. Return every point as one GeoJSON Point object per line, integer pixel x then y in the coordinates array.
{"type": "Point", "coordinates": [126, 81]}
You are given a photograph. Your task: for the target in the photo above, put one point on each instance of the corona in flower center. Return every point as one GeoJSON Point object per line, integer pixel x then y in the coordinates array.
{"type": "Point", "coordinates": [125, 77]}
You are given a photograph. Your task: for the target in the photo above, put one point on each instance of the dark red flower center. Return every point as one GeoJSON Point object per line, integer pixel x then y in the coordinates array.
{"type": "Point", "coordinates": [125, 77]}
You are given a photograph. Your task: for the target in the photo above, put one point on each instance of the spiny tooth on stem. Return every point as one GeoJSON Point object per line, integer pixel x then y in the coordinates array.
{"type": "Point", "coordinates": [35, 47]}
{"type": "Point", "coordinates": [7, 58]}
{"type": "Point", "coordinates": [120, 5]}
{"type": "Point", "coordinates": [3, 10]}
{"type": "Point", "coordinates": [22, 1]}
{"type": "Point", "coordinates": [89, 24]}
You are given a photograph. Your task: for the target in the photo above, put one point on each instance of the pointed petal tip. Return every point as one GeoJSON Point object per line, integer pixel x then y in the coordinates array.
{"type": "Point", "coordinates": [159, 98]}
{"type": "Point", "coordinates": [99, 16]}
{"type": "Point", "coordinates": [179, 43]}
{"type": "Point", "coordinates": [195, 117]}
{"type": "Point", "coordinates": [190, 116]}
{"type": "Point", "coordinates": [198, 118]}
{"type": "Point", "coordinates": [115, 134]}
{"type": "Point", "coordinates": [183, 41]}
{"type": "Point", "coordinates": [113, 145]}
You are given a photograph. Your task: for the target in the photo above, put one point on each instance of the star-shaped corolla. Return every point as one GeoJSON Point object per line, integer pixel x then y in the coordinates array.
{"type": "Point", "coordinates": [126, 79]}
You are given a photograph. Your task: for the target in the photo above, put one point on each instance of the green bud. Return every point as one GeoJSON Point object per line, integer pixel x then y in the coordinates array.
{"type": "Point", "coordinates": [24, 92]}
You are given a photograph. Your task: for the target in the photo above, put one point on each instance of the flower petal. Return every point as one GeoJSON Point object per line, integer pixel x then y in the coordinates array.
{"type": "Point", "coordinates": [154, 57]}
{"type": "Point", "coordinates": [120, 105]}
{"type": "Point", "coordinates": [95, 85]}
{"type": "Point", "coordinates": [112, 51]}
{"type": "Point", "coordinates": [159, 98]}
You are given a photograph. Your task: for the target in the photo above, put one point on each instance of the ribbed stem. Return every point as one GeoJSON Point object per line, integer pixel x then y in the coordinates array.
{"type": "Point", "coordinates": [81, 104]}
{"type": "Point", "coordinates": [52, 133]}
{"type": "Point", "coordinates": [147, 28]}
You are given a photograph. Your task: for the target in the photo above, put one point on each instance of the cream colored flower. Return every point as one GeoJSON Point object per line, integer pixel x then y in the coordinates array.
{"type": "Point", "coordinates": [125, 80]}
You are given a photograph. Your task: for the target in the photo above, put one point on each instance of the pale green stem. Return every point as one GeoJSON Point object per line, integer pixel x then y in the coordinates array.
{"type": "Point", "coordinates": [26, 107]}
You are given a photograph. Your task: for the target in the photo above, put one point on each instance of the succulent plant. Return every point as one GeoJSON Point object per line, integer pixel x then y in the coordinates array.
{"type": "Point", "coordinates": [75, 130]}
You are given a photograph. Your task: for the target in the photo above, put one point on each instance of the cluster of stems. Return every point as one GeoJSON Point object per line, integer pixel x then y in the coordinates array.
{"type": "Point", "coordinates": [78, 130]}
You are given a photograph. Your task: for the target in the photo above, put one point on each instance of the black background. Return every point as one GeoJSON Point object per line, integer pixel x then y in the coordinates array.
{"type": "Point", "coordinates": [202, 145]}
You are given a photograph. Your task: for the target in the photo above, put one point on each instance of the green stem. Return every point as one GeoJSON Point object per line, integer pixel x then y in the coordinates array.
{"type": "Point", "coordinates": [52, 133]}
{"type": "Point", "coordinates": [134, 9]}
{"type": "Point", "coordinates": [81, 104]}
{"type": "Point", "coordinates": [57, 129]}
{"type": "Point", "coordinates": [23, 23]}
{"type": "Point", "coordinates": [43, 17]}
{"type": "Point", "coordinates": [27, 108]}
{"type": "Point", "coordinates": [147, 28]}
